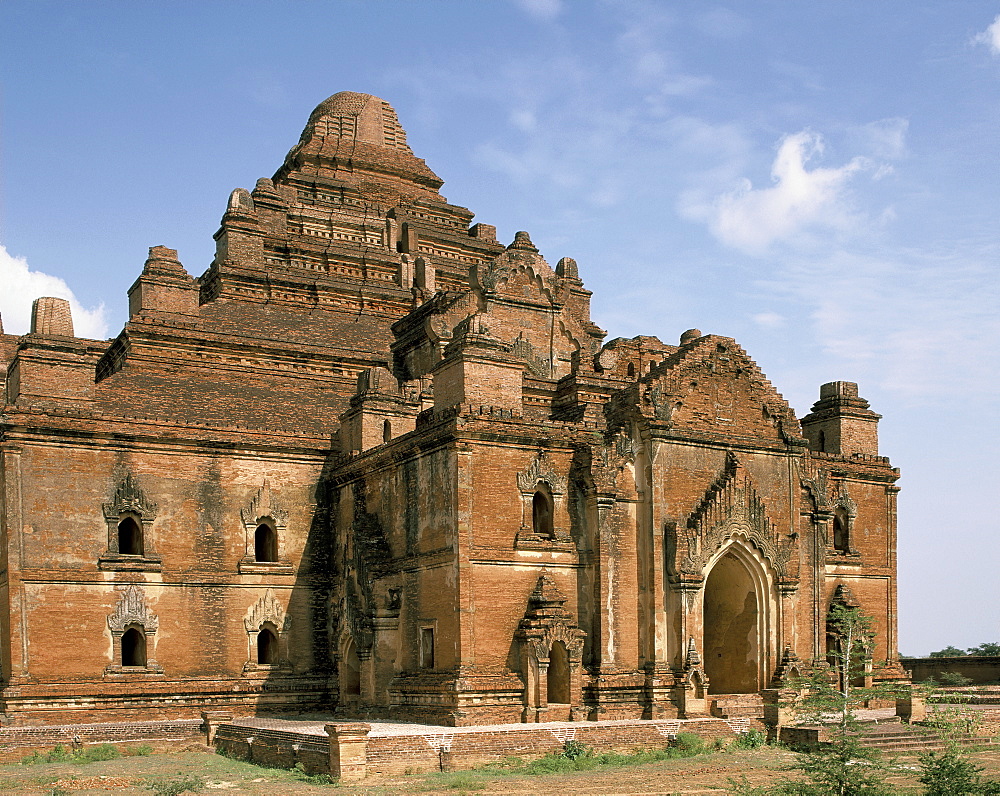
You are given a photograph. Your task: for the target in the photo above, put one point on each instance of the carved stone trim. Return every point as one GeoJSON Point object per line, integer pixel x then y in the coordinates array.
{"type": "Point", "coordinates": [267, 611]}
{"type": "Point", "coordinates": [264, 508]}
{"type": "Point", "coordinates": [130, 498]}
{"type": "Point", "coordinates": [730, 507]}
{"type": "Point", "coordinates": [130, 501]}
{"type": "Point", "coordinates": [132, 611]}
{"type": "Point", "coordinates": [540, 470]}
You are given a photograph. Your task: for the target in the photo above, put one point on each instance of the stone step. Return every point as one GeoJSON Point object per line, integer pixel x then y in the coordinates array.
{"type": "Point", "coordinates": [736, 706]}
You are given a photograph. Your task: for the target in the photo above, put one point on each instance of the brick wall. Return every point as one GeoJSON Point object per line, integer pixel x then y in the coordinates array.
{"type": "Point", "coordinates": [436, 750]}
{"type": "Point", "coordinates": [16, 742]}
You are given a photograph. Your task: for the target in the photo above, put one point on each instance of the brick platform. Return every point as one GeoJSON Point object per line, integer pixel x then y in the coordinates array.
{"type": "Point", "coordinates": [396, 748]}
{"type": "Point", "coordinates": [15, 742]}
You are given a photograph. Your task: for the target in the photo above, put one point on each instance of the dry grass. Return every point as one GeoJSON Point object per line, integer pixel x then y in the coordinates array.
{"type": "Point", "coordinates": [161, 775]}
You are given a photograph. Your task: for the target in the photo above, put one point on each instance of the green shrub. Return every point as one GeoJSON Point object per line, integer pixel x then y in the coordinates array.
{"type": "Point", "coordinates": [574, 750]}
{"type": "Point", "coordinates": [96, 754]}
{"type": "Point", "coordinates": [300, 774]}
{"type": "Point", "coordinates": [751, 739]}
{"type": "Point", "coordinates": [951, 773]}
{"type": "Point", "coordinates": [689, 744]}
{"type": "Point", "coordinates": [953, 678]}
{"type": "Point", "coordinates": [175, 786]}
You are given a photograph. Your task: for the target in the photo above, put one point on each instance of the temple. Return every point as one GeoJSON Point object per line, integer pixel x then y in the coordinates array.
{"type": "Point", "coordinates": [376, 463]}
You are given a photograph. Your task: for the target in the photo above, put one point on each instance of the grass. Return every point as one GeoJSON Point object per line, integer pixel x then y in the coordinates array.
{"type": "Point", "coordinates": [86, 754]}
{"type": "Point", "coordinates": [688, 765]}
{"type": "Point", "coordinates": [574, 757]}
{"type": "Point", "coordinates": [175, 786]}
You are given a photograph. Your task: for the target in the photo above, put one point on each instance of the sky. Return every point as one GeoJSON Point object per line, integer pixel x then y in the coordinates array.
{"type": "Point", "coordinates": [817, 180]}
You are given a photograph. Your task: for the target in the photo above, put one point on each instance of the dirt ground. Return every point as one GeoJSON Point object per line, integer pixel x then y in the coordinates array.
{"type": "Point", "coordinates": [163, 775]}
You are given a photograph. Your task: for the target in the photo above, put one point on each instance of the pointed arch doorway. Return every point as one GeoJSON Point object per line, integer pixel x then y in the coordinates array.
{"type": "Point", "coordinates": [736, 612]}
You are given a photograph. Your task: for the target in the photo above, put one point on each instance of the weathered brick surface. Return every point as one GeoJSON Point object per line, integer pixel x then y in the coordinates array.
{"type": "Point", "coordinates": [482, 512]}
{"type": "Point", "coordinates": [398, 751]}
{"type": "Point", "coordinates": [16, 742]}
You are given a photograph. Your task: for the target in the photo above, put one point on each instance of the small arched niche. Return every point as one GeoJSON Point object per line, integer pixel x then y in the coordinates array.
{"type": "Point", "coordinates": [841, 537]}
{"type": "Point", "coordinates": [133, 647]}
{"type": "Point", "coordinates": [350, 671]}
{"type": "Point", "coordinates": [130, 541]}
{"type": "Point", "coordinates": [558, 677]}
{"type": "Point", "coordinates": [541, 513]}
{"type": "Point", "coordinates": [267, 646]}
{"type": "Point", "coordinates": [265, 543]}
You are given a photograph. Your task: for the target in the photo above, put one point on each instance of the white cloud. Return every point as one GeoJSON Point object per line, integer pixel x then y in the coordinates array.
{"type": "Point", "coordinates": [751, 219]}
{"type": "Point", "coordinates": [885, 138]}
{"type": "Point", "coordinates": [546, 10]}
{"type": "Point", "coordinates": [524, 120]}
{"type": "Point", "coordinates": [991, 36]}
{"type": "Point", "coordinates": [919, 324]}
{"type": "Point", "coordinates": [769, 320]}
{"type": "Point", "coordinates": [21, 286]}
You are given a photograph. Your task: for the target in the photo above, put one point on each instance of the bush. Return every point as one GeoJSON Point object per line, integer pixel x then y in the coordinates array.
{"type": "Point", "coordinates": [175, 787]}
{"type": "Point", "coordinates": [300, 774]}
{"type": "Point", "coordinates": [689, 744]}
{"type": "Point", "coordinates": [96, 754]}
{"type": "Point", "coordinates": [953, 678]}
{"type": "Point", "coordinates": [751, 739]}
{"type": "Point", "coordinates": [574, 750]}
{"type": "Point", "coordinates": [950, 773]}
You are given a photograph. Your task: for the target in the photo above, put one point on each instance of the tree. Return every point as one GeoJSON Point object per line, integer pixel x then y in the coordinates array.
{"type": "Point", "coordinates": [990, 648]}
{"type": "Point", "coordinates": [842, 766]}
{"type": "Point", "coordinates": [948, 652]}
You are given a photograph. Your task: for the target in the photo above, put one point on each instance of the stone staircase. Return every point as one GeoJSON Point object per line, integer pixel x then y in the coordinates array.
{"type": "Point", "coordinates": [896, 738]}
{"type": "Point", "coordinates": [736, 706]}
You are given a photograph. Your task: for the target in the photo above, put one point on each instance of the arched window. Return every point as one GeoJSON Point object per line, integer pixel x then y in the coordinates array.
{"type": "Point", "coordinates": [631, 370]}
{"type": "Point", "coordinates": [267, 647]}
{"type": "Point", "coordinates": [841, 535]}
{"type": "Point", "coordinates": [427, 648]}
{"type": "Point", "coordinates": [130, 537]}
{"type": "Point", "coordinates": [541, 514]}
{"type": "Point", "coordinates": [821, 442]}
{"type": "Point", "coordinates": [350, 671]}
{"type": "Point", "coordinates": [386, 431]}
{"type": "Point", "coordinates": [133, 647]}
{"type": "Point", "coordinates": [265, 543]}
{"type": "Point", "coordinates": [558, 674]}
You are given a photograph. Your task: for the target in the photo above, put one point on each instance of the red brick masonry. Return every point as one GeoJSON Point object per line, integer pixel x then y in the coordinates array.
{"type": "Point", "coordinates": [401, 748]}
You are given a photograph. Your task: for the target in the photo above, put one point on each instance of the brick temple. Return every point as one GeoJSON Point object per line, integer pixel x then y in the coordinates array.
{"type": "Point", "coordinates": [375, 462]}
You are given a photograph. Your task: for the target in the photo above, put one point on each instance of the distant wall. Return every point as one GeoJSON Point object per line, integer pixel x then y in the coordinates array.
{"type": "Point", "coordinates": [978, 668]}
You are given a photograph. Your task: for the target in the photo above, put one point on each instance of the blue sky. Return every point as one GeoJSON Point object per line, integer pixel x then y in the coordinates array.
{"type": "Point", "coordinates": [819, 181]}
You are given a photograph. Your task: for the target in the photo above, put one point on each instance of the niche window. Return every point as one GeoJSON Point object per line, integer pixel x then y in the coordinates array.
{"type": "Point", "coordinates": [427, 648]}
{"type": "Point", "coordinates": [541, 514]}
{"type": "Point", "coordinates": [134, 647]}
{"type": "Point", "coordinates": [842, 526]}
{"type": "Point", "coordinates": [544, 518]}
{"type": "Point", "coordinates": [267, 646]}
{"type": "Point", "coordinates": [265, 544]}
{"type": "Point", "coordinates": [265, 524]}
{"type": "Point", "coordinates": [130, 537]}
{"type": "Point", "coordinates": [129, 518]}
{"type": "Point", "coordinates": [267, 626]}
{"type": "Point", "coordinates": [386, 431]}
{"type": "Point", "coordinates": [133, 633]}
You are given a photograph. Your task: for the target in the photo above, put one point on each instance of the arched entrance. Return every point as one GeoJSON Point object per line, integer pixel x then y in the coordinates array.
{"type": "Point", "coordinates": [736, 638]}
{"type": "Point", "coordinates": [350, 672]}
{"type": "Point", "coordinates": [557, 685]}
